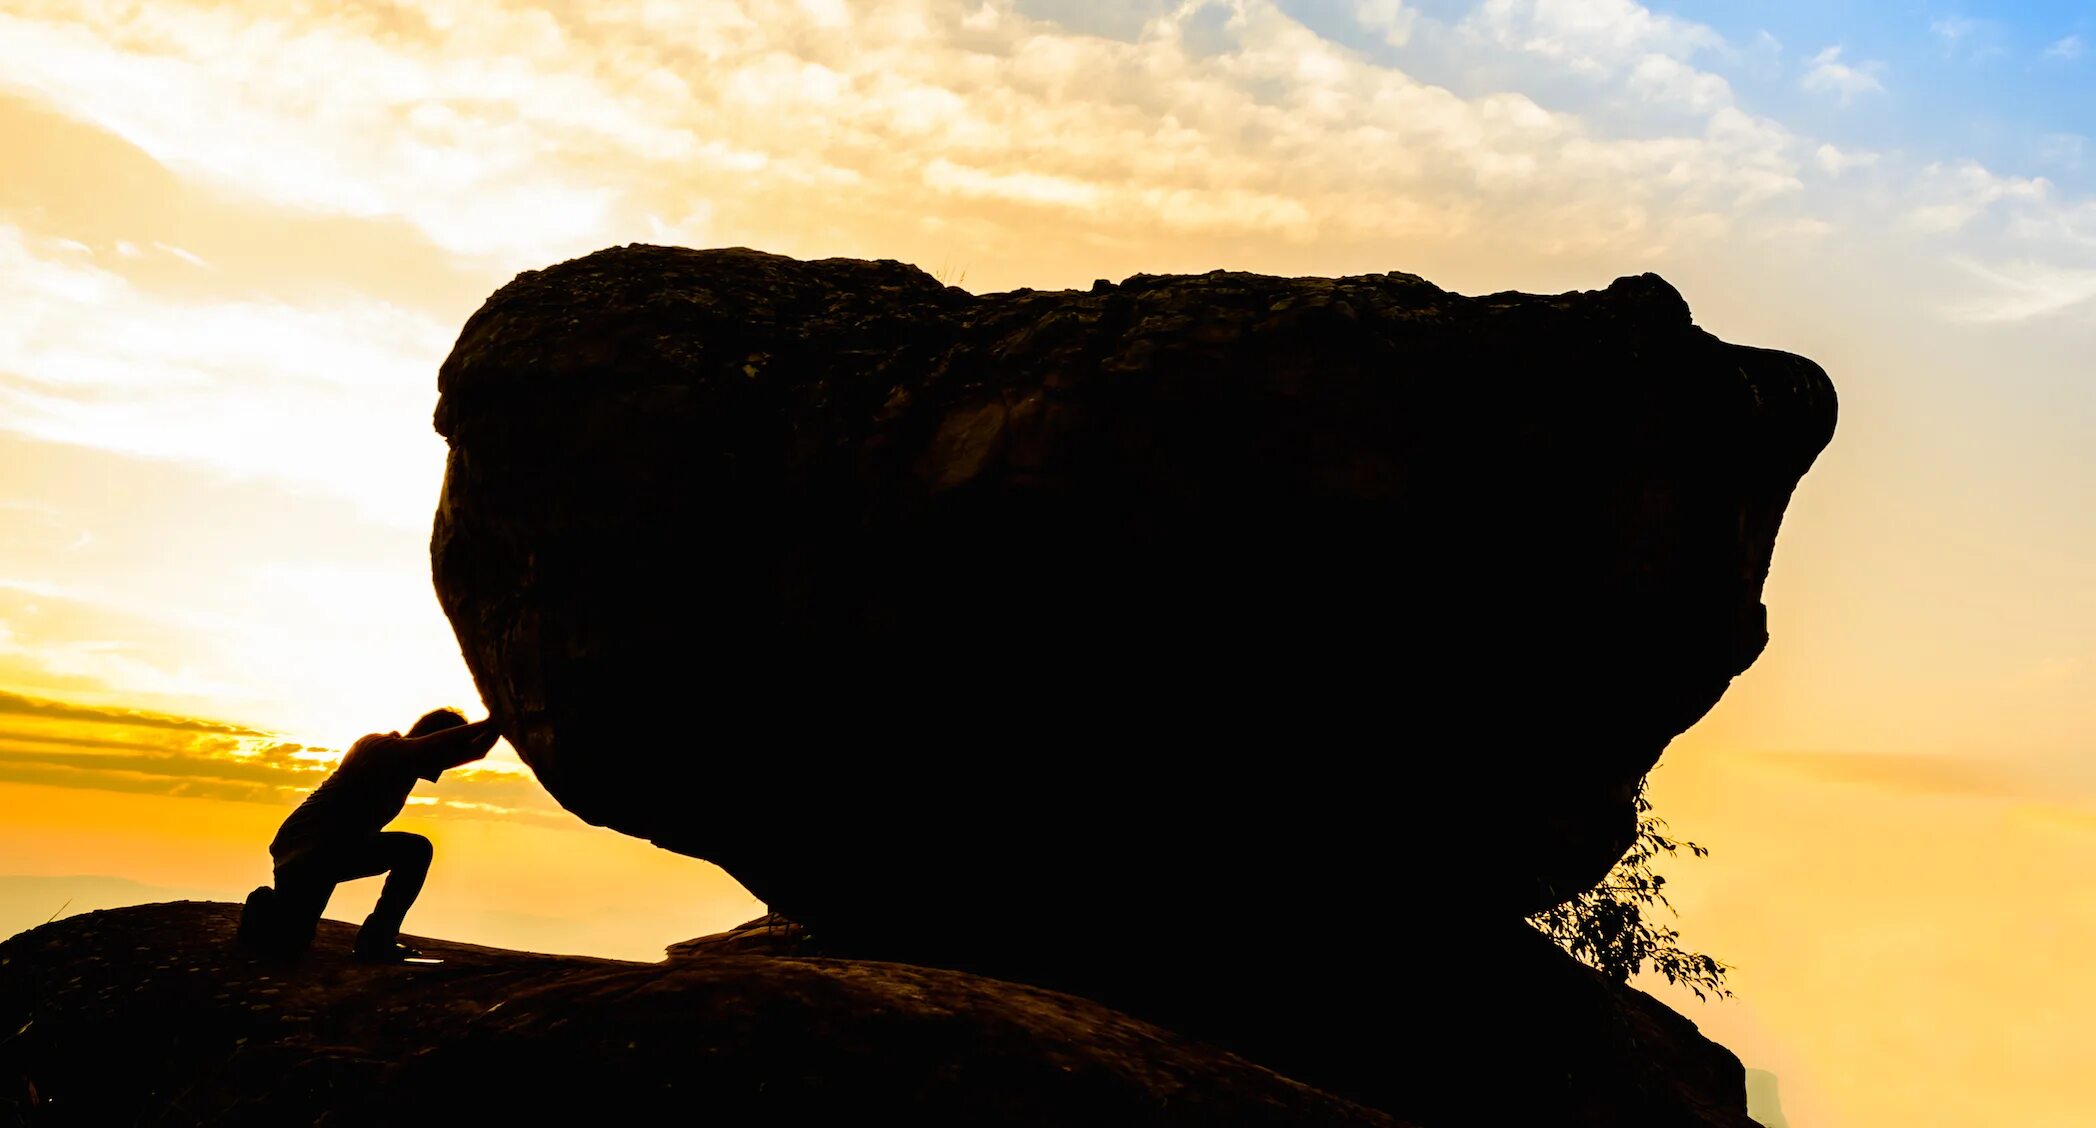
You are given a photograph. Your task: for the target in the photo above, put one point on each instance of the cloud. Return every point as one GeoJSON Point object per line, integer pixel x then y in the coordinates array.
{"type": "Point", "coordinates": [944, 176]}
{"type": "Point", "coordinates": [1647, 54]}
{"type": "Point", "coordinates": [120, 650]}
{"type": "Point", "coordinates": [282, 101]}
{"type": "Point", "coordinates": [1390, 19]}
{"type": "Point", "coordinates": [1669, 81]}
{"type": "Point", "coordinates": [89, 190]}
{"type": "Point", "coordinates": [202, 759]}
{"type": "Point", "coordinates": [1967, 36]}
{"type": "Point", "coordinates": [477, 138]}
{"type": "Point", "coordinates": [62, 744]}
{"type": "Point", "coordinates": [2021, 291]}
{"type": "Point", "coordinates": [1591, 35]}
{"type": "Point", "coordinates": [1912, 773]}
{"type": "Point", "coordinates": [1954, 28]}
{"type": "Point", "coordinates": [512, 137]}
{"type": "Point", "coordinates": [1829, 75]}
{"type": "Point", "coordinates": [1836, 162]}
{"type": "Point", "coordinates": [15, 704]}
{"type": "Point", "coordinates": [269, 769]}
{"type": "Point", "coordinates": [89, 357]}
{"type": "Point", "coordinates": [1953, 195]}
{"type": "Point", "coordinates": [137, 752]}
{"type": "Point", "coordinates": [91, 743]}
{"type": "Point", "coordinates": [2068, 47]}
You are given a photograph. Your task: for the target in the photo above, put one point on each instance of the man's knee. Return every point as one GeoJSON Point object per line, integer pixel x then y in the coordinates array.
{"type": "Point", "coordinates": [410, 849]}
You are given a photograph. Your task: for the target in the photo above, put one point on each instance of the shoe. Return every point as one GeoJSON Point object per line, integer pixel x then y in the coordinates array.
{"type": "Point", "coordinates": [378, 942]}
{"type": "Point", "coordinates": [258, 920]}
{"type": "Point", "coordinates": [272, 929]}
{"type": "Point", "coordinates": [389, 954]}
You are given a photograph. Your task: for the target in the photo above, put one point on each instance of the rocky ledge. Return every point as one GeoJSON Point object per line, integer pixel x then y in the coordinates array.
{"type": "Point", "coordinates": [150, 1015]}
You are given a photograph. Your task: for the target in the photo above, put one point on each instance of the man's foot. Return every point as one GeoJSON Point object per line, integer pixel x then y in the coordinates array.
{"type": "Point", "coordinates": [379, 942]}
{"type": "Point", "coordinates": [391, 953]}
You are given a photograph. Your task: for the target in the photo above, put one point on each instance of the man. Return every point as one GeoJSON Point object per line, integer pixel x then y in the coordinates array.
{"type": "Point", "coordinates": [338, 834]}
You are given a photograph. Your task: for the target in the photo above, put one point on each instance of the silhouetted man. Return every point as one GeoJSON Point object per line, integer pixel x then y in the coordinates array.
{"type": "Point", "coordinates": [338, 834]}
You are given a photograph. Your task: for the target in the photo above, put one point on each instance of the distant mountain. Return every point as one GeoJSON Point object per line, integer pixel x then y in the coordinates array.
{"type": "Point", "coordinates": [1764, 1103]}
{"type": "Point", "coordinates": [27, 901]}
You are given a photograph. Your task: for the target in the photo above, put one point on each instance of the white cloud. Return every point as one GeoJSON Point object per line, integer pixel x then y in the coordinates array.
{"type": "Point", "coordinates": [1951, 29]}
{"type": "Point", "coordinates": [508, 138]}
{"type": "Point", "coordinates": [1953, 195]}
{"type": "Point", "coordinates": [1829, 75]}
{"type": "Point", "coordinates": [113, 663]}
{"type": "Point", "coordinates": [2063, 228]}
{"type": "Point", "coordinates": [512, 138]}
{"type": "Point", "coordinates": [1647, 55]}
{"type": "Point", "coordinates": [1837, 162]}
{"type": "Point", "coordinates": [943, 175]}
{"type": "Point", "coordinates": [324, 118]}
{"type": "Point", "coordinates": [1669, 81]}
{"type": "Point", "coordinates": [2066, 47]}
{"type": "Point", "coordinates": [330, 399]}
{"type": "Point", "coordinates": [2038, 260]}
{"type": "Point", "coordinates": [1965, 35]}
{"type": "Point", "coordinates": [1391, 19]}
{"type": "Point", "coordinates": [2024, 290]}
{"type": "Point", "coordinates": [830, 15]}
{"type": "Point", "coordinates": [183, 253]}
{"type": "Point", "coordinates": [1596, 36]}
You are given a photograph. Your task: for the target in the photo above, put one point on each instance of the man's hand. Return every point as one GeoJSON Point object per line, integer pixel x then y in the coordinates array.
{"type": "Point", "coordinates": [460, 744]}
{"type": "Point", "coordinates": [489, 734]}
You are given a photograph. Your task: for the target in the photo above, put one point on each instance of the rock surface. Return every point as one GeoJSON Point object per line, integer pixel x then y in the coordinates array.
{"type": "Point", "coordinates": [950, 624]}
{"type": "Point", "coordinates": [1494, 1026]}
{"type": "Point", "coordinates": [148, 1015]}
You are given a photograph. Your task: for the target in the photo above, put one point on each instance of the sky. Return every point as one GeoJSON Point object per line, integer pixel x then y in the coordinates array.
{"type": "Point", "coordinates": [236, 240]}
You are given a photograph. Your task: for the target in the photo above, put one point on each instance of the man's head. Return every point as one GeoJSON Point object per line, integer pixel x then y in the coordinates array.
{"type": "Point", "coordinates": [437, 720]}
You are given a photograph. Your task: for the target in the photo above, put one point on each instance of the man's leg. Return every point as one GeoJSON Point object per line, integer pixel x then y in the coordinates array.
{"type": "Point", "coordinates": [302, 895]}
{"type": "Point", "coordinates": [404, 858]}
{"type": "Point", "coordinates": [310, 880]}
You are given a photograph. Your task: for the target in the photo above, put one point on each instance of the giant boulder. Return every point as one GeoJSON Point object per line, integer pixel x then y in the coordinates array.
{"type": "Point", "coordinates": [954, 624]}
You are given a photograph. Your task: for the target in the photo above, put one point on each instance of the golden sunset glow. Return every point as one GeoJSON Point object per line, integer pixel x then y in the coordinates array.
{"type": "Point", "coordinates": [237, 239]}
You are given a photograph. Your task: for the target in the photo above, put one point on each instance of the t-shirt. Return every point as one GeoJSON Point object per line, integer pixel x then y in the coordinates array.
{"type": "Point", "coordinates": [367, 790]}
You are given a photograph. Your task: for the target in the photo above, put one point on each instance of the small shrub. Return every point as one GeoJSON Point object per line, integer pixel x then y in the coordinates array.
{"type": "Point", "coordinates": [1611, 929]}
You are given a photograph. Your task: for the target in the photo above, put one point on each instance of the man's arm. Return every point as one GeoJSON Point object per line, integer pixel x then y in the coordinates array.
{"type": "Point", "coordinates": [460, 744]}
